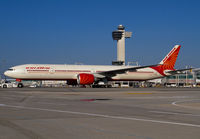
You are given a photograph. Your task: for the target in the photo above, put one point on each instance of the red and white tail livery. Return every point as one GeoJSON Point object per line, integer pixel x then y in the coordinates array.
{"type": "Point", "coordinates": [168, 63]}
{"type": "Point", "coordinates": [92, 74]}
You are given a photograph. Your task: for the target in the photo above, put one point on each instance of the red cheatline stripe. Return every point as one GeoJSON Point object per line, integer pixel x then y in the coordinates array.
{"type": "Point", "coordinates": [37, 70]}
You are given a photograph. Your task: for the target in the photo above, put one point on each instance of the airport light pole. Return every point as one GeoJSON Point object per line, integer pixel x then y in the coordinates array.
{"type": "Point", "coordinates": [194, 78]}
{"type": "Point", "coordinates": [186, 77]}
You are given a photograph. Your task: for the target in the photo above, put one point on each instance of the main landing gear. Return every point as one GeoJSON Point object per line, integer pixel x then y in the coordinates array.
{"type": "Point", "coordinates": [20, 85]}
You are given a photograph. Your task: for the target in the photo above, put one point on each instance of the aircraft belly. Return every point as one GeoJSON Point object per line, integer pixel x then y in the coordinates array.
{"type": "Point", "coordinates": [60, 76]}
{"type": "Point", "coordinates": [134, 76]}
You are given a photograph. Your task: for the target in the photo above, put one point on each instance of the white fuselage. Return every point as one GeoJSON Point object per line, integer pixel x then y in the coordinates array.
{"type": "Point", "coordinates": [68, 72]}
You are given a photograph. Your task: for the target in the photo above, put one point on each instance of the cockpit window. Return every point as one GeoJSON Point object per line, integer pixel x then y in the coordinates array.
{"type": "Point", "coordinates": [10, 69]}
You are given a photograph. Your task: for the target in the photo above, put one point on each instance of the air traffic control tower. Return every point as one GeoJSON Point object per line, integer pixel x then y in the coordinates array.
{"type": "Point", "coordinates": [120, 35]}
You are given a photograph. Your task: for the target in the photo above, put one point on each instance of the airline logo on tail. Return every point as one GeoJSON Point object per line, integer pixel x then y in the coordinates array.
{"type": "Point", "coordinates": [168, 62]}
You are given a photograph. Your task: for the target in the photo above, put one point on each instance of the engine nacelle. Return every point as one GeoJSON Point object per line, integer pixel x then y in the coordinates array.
{"type": "Point", "coordinates": [85, 79]}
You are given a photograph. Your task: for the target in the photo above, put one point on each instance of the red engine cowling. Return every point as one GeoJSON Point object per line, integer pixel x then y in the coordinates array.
{"type": "Point", "coordinates": [85, 79]}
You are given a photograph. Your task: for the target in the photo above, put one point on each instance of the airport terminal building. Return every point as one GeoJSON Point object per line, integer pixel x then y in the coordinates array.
{"type": "Point", "coordinates": [183, 79]}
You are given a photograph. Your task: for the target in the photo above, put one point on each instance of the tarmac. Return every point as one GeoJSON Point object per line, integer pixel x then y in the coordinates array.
{"type": "Point", "coordinates": [100, 113]}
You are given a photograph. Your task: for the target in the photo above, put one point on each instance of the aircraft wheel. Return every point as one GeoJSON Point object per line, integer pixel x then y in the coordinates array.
{"type": "Point", "coordinates": [4, 86]}
{"type": "Point", "coordinates": [20, 85]}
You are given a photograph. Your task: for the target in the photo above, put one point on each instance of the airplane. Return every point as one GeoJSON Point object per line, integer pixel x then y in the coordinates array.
{"type": "Point", "coordinates": [93, 74]}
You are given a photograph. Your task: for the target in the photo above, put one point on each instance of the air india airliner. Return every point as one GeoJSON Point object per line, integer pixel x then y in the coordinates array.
{"type": "Point", "coordinates": [92, 74]}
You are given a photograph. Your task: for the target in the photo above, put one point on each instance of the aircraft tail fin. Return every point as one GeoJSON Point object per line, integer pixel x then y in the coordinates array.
{"type": "Point", "coordinates": [170, 59]}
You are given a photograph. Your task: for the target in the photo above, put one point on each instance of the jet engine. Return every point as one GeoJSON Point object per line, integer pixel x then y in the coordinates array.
{"type": "Point", "coordinates": [85, 79]}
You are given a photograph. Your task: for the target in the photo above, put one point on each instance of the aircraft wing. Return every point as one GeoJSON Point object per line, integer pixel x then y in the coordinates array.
{"type": "Point", "coordinates": [112, 73]}
{"type": "Point", "coordinates": [180, 71]}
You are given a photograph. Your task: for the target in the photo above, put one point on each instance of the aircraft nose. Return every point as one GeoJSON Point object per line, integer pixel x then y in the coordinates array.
{"type": "Point", "coordinates": [6, 73]}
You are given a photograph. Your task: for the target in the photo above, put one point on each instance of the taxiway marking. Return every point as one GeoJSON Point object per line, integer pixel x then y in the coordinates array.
{"type": "Point", "coordinates": [178, 105]}
{"type": "Point", "coordinates": [101, 115]}
{"type": "Point", "coordinates": [174, 113]}
{"type": "Point", "coordinates": [138, 93]}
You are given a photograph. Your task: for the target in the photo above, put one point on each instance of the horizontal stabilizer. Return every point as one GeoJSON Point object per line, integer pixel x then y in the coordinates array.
{"type": "Point", "coordinates": [180, 71]}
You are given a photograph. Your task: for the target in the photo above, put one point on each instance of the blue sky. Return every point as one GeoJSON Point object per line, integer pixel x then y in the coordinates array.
{"type": "Point", "coordinates": [66, 32]}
